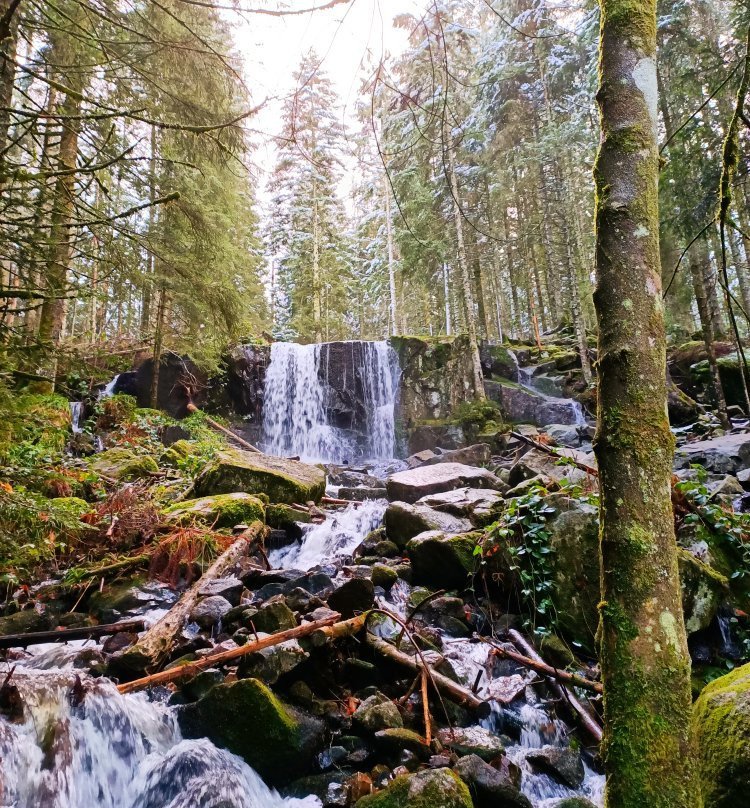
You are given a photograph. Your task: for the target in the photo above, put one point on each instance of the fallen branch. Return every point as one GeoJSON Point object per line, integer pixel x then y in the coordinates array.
{"type": "Point", "coordinates": [346, 628]}
{"type": "Point", "coordinates": [116, 566]}
{"type": "Point", "coordinates": [546, 670]}
{"type": "Point", "coordinates": [586, 720]}
{"type": "Point", "coordinates": [65, 634]}
{"type": "Point", "coordinates": [155, 645]}
{"type": "Point", "coordinates": [335, 501]}
{"type": "Point", "coordinates": [461, 695]}
{"type": "Point", "coordinates": [172, 674]}
{"type": "Point", "coordinates": [228, 432]}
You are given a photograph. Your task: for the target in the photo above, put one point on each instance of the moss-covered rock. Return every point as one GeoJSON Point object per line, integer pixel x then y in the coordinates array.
{"type": "Point", "coordinates": [281, 516]}
{"type": "Point", "coordinates": [377, 712]}
{"type": "Point", "coordinates": [442, 561]}
{"type": "Point", "coordinates": [703, 590]}
{"type": "Point", "coordinates": [404, 520]}
{"type": "Point", "coordinates": [472, 741]}
{"type": "Point", "coordinates": [245, 717]}
{"type": "Point", "coordinates": [383, 575]}
{"type": "Point", "coordinates": [285, 481]}
{"type": "Point", "coordinates": [121, 463]}
{"type": "Point", "coordinates": [75, 506]}
{"type": "Point", "coordinates": [26, 621]}
{"type": "Point", "coordinates": [220, 510]}
{"type": "Point", "coordinates": [436, 788]}
{"type": "Point", "coordinates": [721, 729]}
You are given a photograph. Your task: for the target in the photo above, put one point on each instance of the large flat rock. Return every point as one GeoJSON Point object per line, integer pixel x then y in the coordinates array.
{"type": "Point", "coordinates": [726, 454]}
{"type": "Point", "coordinates": [284, 481]}
{"type": "Point", "coordinates": [412, 484]}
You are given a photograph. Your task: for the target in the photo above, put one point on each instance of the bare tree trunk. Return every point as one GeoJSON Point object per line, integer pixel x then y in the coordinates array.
{"type": "Point", "coordinates": [52, 316]}
{"type": "Point", "coordinates": [8, 45]}
{"type": "Point", "coordinates": [647, 754]}
{"type": "Point", "coordinates": [471, 326]}
{"type": "Point", "coordinates": [391, 259]}
{"type": "Point", "coordinates": [161, 312]}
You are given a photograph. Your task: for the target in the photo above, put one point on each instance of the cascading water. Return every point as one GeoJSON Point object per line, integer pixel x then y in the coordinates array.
{"type": "Point", "coordinates": [297, 406]}
{"type": "Point", "coordinates": [337, 536]}
{"type": "Point", "coordinates": [76, 411]}
{"type": "Point", "coordinates": [80, 743]}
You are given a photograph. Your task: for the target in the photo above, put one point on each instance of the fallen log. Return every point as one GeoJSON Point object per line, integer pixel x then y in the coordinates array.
{"type": "Point", "coordinates": [546, 670]}
{"type": "Point", "coordinates": [116, 566]}
{"type": "Point", "coordinates": [219, 428]}
{"type": "Point", "coordinates": [586, 720]}
{"type": "Point", "coordinates": [155, 645]}
{"type": "Point", "coordinates": [346, 628]}
{"type": "Point", "coordinates": [461, 695]}
{"type": "Point", "coordinates": [336, 501]}
{"type": "Point", "coordinates": [172, 674]}
{"type": "Point", "coordinates": [65, 634]}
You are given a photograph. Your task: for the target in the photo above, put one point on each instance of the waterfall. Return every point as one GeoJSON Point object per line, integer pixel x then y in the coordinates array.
{"type": "Point", "coordinates": [80, 743]}
{"type": "Point", "coordinates": [76, 411]}
{"type": "Point", "coordinates": [331, 402]}
{"type": "Point", "coordinates": [109, 389]}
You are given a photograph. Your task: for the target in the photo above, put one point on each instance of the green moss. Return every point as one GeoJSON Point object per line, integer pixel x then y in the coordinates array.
{"type": "Point", "coordinates": [443, 561]}
{"type": "Point", "coordinates": [280, 516]}
{"type": "Point", "coordinates": [247, 719]}
{"type": "Point", "coordinates": [437, 788]}
{"type": "Point", "coordinates": [285, 481]}
{"type": "Point", "coordinates": [220, 510]}
{"type": "Point", "coordinates": [122, 463]}
{"type": "Point", "coordinates": [721, 730]}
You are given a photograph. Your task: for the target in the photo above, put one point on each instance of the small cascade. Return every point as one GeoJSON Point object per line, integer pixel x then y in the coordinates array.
{"type": "Point", "coordinates": [80, 743]}
{"type": "Point", "coordinates": [76, 413]}
{"type": "Point", "coordinates": [108, 389]}
{"type": "Point", "coordinates": [562, 410]}
{"type": "Point", "coordinates": [331, 402]}
{"type": "Point", "coordinates": [338, 536]}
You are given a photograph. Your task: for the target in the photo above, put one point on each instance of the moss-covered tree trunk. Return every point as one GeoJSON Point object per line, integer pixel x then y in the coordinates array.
{"type": "Point", "coordinates": [645, 664]}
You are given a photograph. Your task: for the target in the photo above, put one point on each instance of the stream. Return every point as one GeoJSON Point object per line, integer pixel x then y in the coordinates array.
{"type": "Point", "coordinates": [79, 743]}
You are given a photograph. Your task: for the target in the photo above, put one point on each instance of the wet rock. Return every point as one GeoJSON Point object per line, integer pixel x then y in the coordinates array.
{"type": "Point", "coordinates": [489, 787]}
{"type": "Point", "coordinates": [270, 664]}
{"type": "Point", "coordinates": [564, 764]}
{"type": "Point", "coordinates": [442, 561]}
{"type": "Point", "coordinates": [284, 517]}
{"type": "Point", "coordinates": [209, 611]}
{"type": "Point", "coordinates": [229, 588]}
{"type": "Point", "coordinates": [352, 597]}
{"type": "Point", "coordinates": [197, 687]}
{"type": "Point", "coordinates": [566, 434]}
{"type": "Point", "coordinates": [377, 712]}
{"type": "Point", "coordinates": [314, 582]}
{"type": "Point", "coordinates": [403, 521]}
{"type": "Point", "coordinates": [330, 788]}
{"type": "Point", "coordinates": [498, 360]}
{"type": "Point", "coordinates": [480, 506]}
{"type": "Point", "coordinates": [26, 621]}
{"type": "Point", "coordinates": [300, 600]}
{"type": "Point", "coordinates": [411, 485]}
{"type": "Point", "coordinates": [432, 788]}
{"type": "Point", "coordinates": [384, 576]}
{"type": "Point", "coordinates": [285, 481]}
{"type": "Point", "coordinates": [429, 435]}
{"type": "Point", "coordinates": [728, 486]}
{"type": "Point", "coordinates": [245, 717]}
{"type": "Point", "coordinates": [220, 510]}
{"type": "Point", "coordinates": [397, 739]}
{"type": "Point", "coordinates": [360, 494]}
{"type": "Point", "coordinates": [726, 454]}
{"type": "Point", "coordinates": [122, 464]}
{"type": "Point", "coordinates": [254, 577]}
{"type": "Point", "coordinates": [274, 615]}
{"type": "Point", "coordinates": [472, 741]}
{"type": "Point", "coordinates": [743, 478]}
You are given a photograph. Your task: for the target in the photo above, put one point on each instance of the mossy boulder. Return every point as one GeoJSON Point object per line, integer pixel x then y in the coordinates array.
{"type": "Point", "coordinates": [26, 621]}
{"type": "Point", "coordinates": [703, 590]}
{"type": "Point", "coordinates": [721, 729]}
{"type": "Point", "coordinates": [220, 510]}
{"type": "Point", "coordinates": [436, 788]}
{"type": "Point", "coordinates": [403, 521]}
{"type": "Point", "coordinates": [122, 464]}
{"type": "Point", "coordinates": [281, 516]}
{"type": "Point", "coordinates": [444, 562]}
{"type": "Point", "coordinates": [377, 712]}
{"type": "Point", "coordinates": [245, 717]}
{"type": "Point", "coordinates": [285, 481]}
{"type": "Point", "coordinates": [75, 506]}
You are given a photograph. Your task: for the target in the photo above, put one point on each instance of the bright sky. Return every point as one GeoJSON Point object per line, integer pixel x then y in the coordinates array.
{"type": "Point", "coordinates": [351, 38]}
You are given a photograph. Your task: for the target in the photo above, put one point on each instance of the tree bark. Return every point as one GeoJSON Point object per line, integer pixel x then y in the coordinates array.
{"type": "Point", "coordinates": [471, 325]}
{"type": "Point", "coordinates": [644, 658]}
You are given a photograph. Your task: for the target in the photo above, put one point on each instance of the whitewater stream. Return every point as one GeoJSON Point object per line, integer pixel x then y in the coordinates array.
{"type": "Point", "coordinates": [78, 743]}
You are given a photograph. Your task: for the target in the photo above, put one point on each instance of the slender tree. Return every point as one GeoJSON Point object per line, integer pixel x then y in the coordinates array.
{"type": "Point", "coordinates": [644, 658]}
